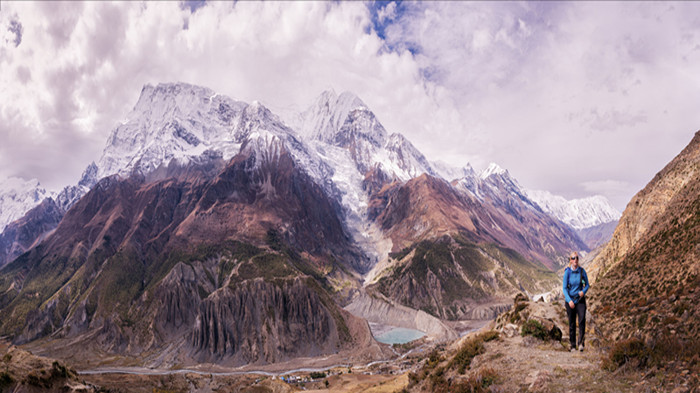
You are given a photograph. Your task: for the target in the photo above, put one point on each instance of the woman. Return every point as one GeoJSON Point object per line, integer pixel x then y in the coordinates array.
{"type": "Point", "coordinates": [575, 287]}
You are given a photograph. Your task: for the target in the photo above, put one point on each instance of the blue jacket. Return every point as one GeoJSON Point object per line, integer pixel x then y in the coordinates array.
{"type": "Point", "coordinates": [575, 281]}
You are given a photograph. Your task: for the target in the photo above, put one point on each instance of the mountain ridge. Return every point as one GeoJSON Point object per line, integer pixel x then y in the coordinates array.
{"type": "Point", "coordinates": [178, 121]}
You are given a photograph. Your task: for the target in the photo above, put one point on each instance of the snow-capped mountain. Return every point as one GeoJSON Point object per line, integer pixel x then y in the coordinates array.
{"type": "Point", "coordinates": [577, 213]}
{"type": "Point", "coordinates": [351, 141]}
{"type": "Point", "coordinates": [338, 141]}
{"type": "Point", "coordinates": [178, 123]}
{"type": "Point", "coordinates": [322, 120]}
{"type": "Point", "coordinates": [345, 121]}
{"type": "Point", "coordinates": [494, 184]}
{"type": "Point", "coordinates": [449, 172]}
{"type": "Point", "coordinates": [171, 122]}
{"type": "Point", "coordinates": [17, 197]}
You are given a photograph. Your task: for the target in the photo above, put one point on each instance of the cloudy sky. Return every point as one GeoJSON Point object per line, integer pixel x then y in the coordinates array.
{"type": "Point", "coordinates": [575, 98]}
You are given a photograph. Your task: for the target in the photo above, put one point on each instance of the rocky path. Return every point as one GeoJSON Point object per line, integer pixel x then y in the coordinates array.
{"type": "Point", "coordinates": [529, 364]}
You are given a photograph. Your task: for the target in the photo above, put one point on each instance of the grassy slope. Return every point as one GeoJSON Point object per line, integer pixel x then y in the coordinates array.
{"type": "Point", "coordinates": [451, 259]}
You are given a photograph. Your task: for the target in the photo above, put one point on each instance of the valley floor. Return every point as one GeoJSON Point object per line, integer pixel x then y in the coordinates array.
{"type": "Point", "coordinates": [515, 364]}
{"type": "Point", "coordinates": [520, 365]}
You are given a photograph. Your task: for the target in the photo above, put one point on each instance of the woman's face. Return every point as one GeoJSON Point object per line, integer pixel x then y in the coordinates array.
{"type": "Point", "coordinates": [573, 258]}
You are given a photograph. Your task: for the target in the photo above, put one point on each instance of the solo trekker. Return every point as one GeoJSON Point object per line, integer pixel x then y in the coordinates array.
{"type": "Point", "coordinates": [575, 286]}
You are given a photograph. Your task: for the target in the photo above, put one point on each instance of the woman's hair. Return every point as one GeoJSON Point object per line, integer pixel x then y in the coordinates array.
{"type": "Point", "coordinates": [572, 255]}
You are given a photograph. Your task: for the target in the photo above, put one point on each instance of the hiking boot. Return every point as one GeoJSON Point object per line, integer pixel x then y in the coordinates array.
{"type": "Point", "coordinates": [580, 348]}
{"type": "Point", "coordinates": [573, 349]}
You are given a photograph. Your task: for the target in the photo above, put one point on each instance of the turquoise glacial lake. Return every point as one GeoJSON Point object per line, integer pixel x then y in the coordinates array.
{"type": "Point", "coordinates": [399, 335]}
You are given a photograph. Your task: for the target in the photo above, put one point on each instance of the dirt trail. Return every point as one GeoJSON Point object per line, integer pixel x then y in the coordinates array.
{"type": "Point", "coordinates": [530, 364]}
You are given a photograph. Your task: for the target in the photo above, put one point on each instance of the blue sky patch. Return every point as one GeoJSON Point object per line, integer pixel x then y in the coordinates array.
{"type": "Point", "coordinates": [193, 5]}
{"type": "Point", "coordinates": [381, 22]}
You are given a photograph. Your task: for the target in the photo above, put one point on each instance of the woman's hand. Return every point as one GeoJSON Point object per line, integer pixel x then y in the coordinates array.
{"type": "Point", "coordinates": [580, 293]}
{"type": "Point", "coordinates": [571, 303]}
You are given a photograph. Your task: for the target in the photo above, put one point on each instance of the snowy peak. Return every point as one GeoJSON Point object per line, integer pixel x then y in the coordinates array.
{"type": "Point", "coordinates": [18, 196]}
{"type": "Point", "coordinates": [450, 173]}
{"type": "Point", "coordinates": [170, 121]}
{"type": "Point", "coordinates": [175, 98]}
{"type": "Point", "coordinates": [360, 124]}
{"type": "Point", "coordinates": [256, 117]}
{"type": "Point", "coordinates": [410, 162]}
{"type": "Point", "coordinates": [70, 194]}
{"type": "Point", "coordinates": [493, 169]}
{"type": "Point", "coordinates": [497, 177]}
{"type": "Point", "coordinates": [577, 213]}
{"type": "Point", "coordinates": [266, 147]}
{"type": "Point", "coordinates": [324, 118]}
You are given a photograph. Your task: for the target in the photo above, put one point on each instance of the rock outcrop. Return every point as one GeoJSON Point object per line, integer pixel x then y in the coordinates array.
{"type": "Point", "coordinates": [24, 372]}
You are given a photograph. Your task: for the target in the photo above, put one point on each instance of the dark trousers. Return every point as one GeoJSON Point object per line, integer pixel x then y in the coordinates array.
{"type": "Point", "coordinates": [580, 310]}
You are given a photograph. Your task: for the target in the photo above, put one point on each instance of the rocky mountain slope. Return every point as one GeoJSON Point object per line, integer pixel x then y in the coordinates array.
{"type": "Point", "coordinates": [648, 205]}
{"type": "Point", "coordinates": [455, 250]}
{"type": "Point", "coordinates": [647, 276]}
{"type": "Point", "coordinates": [218, 261]}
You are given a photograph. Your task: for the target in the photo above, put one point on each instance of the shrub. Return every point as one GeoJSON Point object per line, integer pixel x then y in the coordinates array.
{"type": "Point", "coordinates": [35, 380]}
{"type": "Point", "coordinates": [413, 379]}
{"type": "Point", "coordinates": [641, 321]}
{"type": "Point", "coordinates": [627, 351]}
{"type": "Point", "coordinates": [680, 308]}
{"type": "Point", "coordinates": [59, 371]}
{"type": "Point", "coordinates": [670, 320]}
{"type": "Point", "coordinates": [5, 380]}
{"type": "Point", "coordinates": [533, 328]}
{"type": "Point", "coordinates": [519, 307]}
{"type": "Point", "coordinates": [470, 349]}
{"type": "Point", "coordinates": [317, 375]}
{"type": "Point", "coordinates": [477, 383]}
{"type": "Point", "coordinates": [520, 297]}
{"type": "Point", "coordinates": [489, 336]}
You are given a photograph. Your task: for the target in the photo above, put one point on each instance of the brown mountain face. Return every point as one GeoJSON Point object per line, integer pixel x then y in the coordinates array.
{"type": "Point", "coordinates": [648, 285]}
{"type": "Point", "coordinates": [645, 208]}
{"type": "Point", "coordinates": [216, 261]}
{"type": "Point", "coordinates": [260, 191]}
{"type": "Point", "coordinates": [597, 235]}
{"type": "Point", "coordinates": [427, 207]}
{"type": "Point", "coordinates": [454, 278]}
{"type": "Point", "coordinates": [454, 253]}
{"type": "Point", "coordinates": [29, 230]}
{"type": "Point", "coordinates": [423, 208]}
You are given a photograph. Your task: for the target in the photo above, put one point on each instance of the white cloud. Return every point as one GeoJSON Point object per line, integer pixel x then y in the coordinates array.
{"type": "Point", "coordinates": [387, 13]}
{"type": "Point", "coordinates": [561, 94]}
{"type": "Point", "coordinates": [81, 67]}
